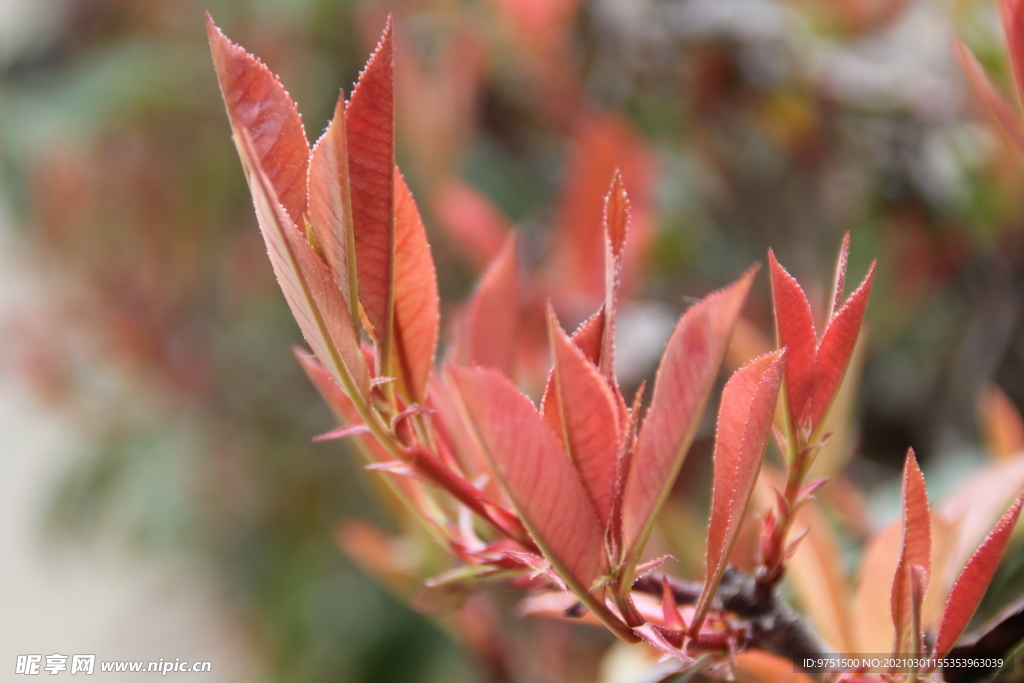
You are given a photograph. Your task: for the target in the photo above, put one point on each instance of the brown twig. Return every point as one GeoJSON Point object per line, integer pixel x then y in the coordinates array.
{"type": "Point", "coordinates": [774, 627]}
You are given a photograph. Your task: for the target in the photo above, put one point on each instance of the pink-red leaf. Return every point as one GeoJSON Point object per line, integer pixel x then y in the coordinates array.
{"type": "Point", "coordinates": [835, 350]}
{"type": "Point", "coordinates": [370, 130]}
{"type": "Point", "coordinates": [260, 106]}
{"type": "Point", "coordinates": [586, 413]}
{"type": "Point", "coordinates": [587, 339]}
{"type": "Point", "coordinates": [973, 581]}
{"type": "Point", "coordinates": [978, 502]}
{"type": "Point", "coordinates": [616, 228]}
{"type": "Point", "coordinates": [687, 372]}
{"type": "Point", "coordinates": [492, 317]}
{"type": "Point", "coordinates": [652, 635]}
{"type": "Point", "coordinates": [600, 145]}
{"type": "Point", "coordinates": [589, 335]}
{"type": "Point", "coordinates": [814, 370]}
{"type": "Point", "coordinates": [333, 396]}
{"type": "Point", "coordinates": [669, 608]}
{"type": "Point", "coordinates": [315, 301]}
{"type": "Point", "coordinates": [451, 433]}
{"type": "Point", "coordinates": [1004, 113]}
{"type": "Point", "coordinates": [794, 329]}
{"type": "Point", "coordinates": [416, 299]}
{"type": "Point", "coordinates": [330, 206]}
{"type": "Point", "coordinates": [839, 280]}
{"type": "Point", "coordinates": [915, 552]}
{"type": "Point", "coordinates": [541, 481]}
{"type": "Point", "coordinates": [744, 427]}
{"type": "Point", "coordinates": [623, 462]}
{"type": "Point", "coordinates": [1013, 27]}
{"type": "Point", "coordinates": [440, 474]}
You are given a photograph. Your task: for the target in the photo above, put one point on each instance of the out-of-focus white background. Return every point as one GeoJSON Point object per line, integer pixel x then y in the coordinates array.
{"type": "Point", "coordinates": [99, 599]}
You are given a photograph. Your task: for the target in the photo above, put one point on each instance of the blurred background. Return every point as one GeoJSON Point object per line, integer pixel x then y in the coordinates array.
{"type": "Point", "coordinates": [162, 497]}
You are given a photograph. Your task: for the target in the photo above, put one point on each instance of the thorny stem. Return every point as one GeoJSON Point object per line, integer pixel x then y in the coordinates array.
{"type": "Point", "coordinates": [399, 495]}
{"type": "Point", "coordinates": [773, 567]}
{"type": "Point", "coordinates": [628, 609]}
{"type": "Point", "coordinates": [801, 450]}
{"type": "Point", "coordinates": [773, 625]}
{"type": "Point", "coordinates": [385, 436]}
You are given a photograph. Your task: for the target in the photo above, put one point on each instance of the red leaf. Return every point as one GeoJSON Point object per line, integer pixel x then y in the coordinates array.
{"type": "Point", "coordinates": [653, 636]}
{"type": "Point", "coordinates": [416, 300]}
{"type": "Point", "coordinates": [600, 145]}
{"type": "Point", "coordinates": [436, 471]}
{"type": "Point", "coordinates": [624, 460]}
{"type": "Point", "coordinates": [451, 432]}
{"type": "Point", "coordinates": [370, 124]}
{"type": "Point", "coordinates": [839, 281]}
{"type": "Point", "coordinates": [585, 412]}
{"type": "Point", "coordinates": [616, 216]}
{"type": "Point", "coordinates": [836, 348]}
{"type": "Point", "coordinates": [260, 106]}
{"type": "Point", "coordinates": [589, 335]}
{"type": "Point", "coordinates": [979, 501]}
{"type": "Point", "coordinates": [915, 552]}
{"type": "Point", "coordinates": [1013, 27]}
{"type": "Point", "coordinates": [687, 372]}
{"type": "Point", "coordinates": [814, 371]}
{"type": "Point", "coordinates": [330, 206]}
{"type": "Point", "coordinates": [1003, 112]}
{"type": "Point", "coordinates": [744, 427]}
{"type": "Point", "coordinates": [477, 227]}
{"type": "Point", "coordinates": [587, 339]}
{"type": "Point", "coordinates": [541, 481]}
{"type": "Point", "coordinates": [492, 318]}
{"type": "Point", "coordinates": [794, 329]}
{"type": "Point", "coordinates": [315, 301]}
{"type": "Point", "coordinates": [669, 608]}
{"type": "Point", "coordinates": [973, 581]}
{"type": "Point", "coordinates": [329, 390]}
{"type": "Point", "coordinates": [616, 227]}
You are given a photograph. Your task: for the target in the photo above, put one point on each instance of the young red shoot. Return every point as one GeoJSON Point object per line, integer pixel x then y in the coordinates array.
{"type": "Point", "coordinates": [915, 556]}
{"type": "Point", "coordinates": [744, 427]}
{"type": "Point", "coordinates": [684, 380]}
{"type": "Point", "coordinates": [814, 368]}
